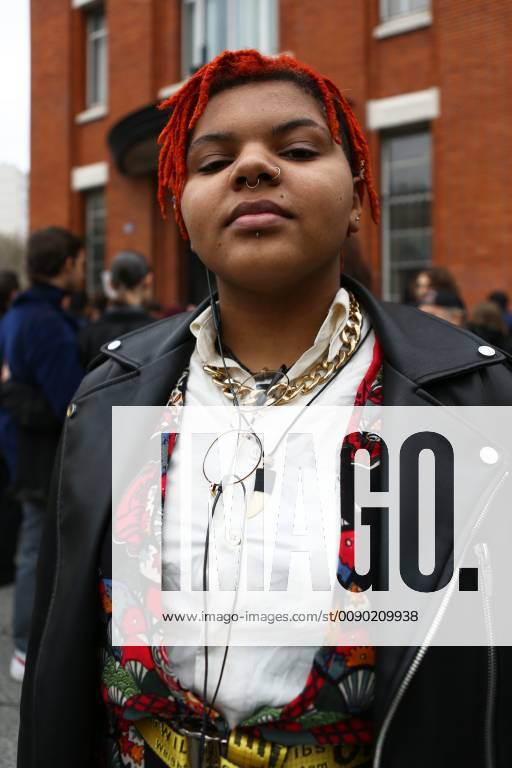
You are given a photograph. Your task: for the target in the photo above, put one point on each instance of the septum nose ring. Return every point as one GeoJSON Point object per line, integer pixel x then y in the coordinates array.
{"type": "Point", "coordinates": [272, 178]}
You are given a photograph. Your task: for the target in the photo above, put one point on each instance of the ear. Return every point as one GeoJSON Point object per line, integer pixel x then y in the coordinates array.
{"type": "Point", "coordinates": [68, 265]}
{"type": "Point", "coordinates": [355, 213]}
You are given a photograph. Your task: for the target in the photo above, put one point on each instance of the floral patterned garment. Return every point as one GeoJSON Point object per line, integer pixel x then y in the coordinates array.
{"type": "Point", "coordinates": [335, 705]}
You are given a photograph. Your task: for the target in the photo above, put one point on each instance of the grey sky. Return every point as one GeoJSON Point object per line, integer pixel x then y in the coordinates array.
{"type": "Point", "coordinates": [15, 83]}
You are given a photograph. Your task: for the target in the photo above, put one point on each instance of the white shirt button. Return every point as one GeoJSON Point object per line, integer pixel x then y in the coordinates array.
{"type": "Point", "coordinates": [486, 351]}
{"type": "Point", "coordinates": [114, 345]}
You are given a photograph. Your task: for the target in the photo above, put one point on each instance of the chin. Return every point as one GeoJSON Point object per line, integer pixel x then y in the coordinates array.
{"type": "Point", "coordinates": [263, 274]}
{"type": "Point", "coordinates": [271, 264]}
{"type": "Point", "coordinates": [269, 251]}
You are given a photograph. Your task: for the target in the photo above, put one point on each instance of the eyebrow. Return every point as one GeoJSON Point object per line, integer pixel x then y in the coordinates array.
{"type": "Point", "coordinates": [206, 137]}
{"type": "Point", "coordinates": [299, 122]}
{"type": "Point", "coordinates": [277, 130]}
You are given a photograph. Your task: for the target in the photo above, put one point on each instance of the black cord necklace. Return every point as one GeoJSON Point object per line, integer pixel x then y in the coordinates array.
{"type": "Point", "coordinates": [218, 492]}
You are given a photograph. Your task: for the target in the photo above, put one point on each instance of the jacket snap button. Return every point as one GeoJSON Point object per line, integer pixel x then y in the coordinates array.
{"type": "Point", "coordinates": [71, 410]}
{"type": "Point", "coordinates": [114, 345]}
{"type": "Point", "coordinates": [489, 455]}
{"type": "Point", "coordinates": [486, 351]}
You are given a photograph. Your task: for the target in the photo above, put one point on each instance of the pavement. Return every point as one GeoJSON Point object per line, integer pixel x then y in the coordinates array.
{"type": "Point", "coordinates": [9, 690]}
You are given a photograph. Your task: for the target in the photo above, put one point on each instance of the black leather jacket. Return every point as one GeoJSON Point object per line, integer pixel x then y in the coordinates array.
{"type": "Point", "coordinates": [438, 707]}
{"type": "Point", "coordinates": [115, 322]}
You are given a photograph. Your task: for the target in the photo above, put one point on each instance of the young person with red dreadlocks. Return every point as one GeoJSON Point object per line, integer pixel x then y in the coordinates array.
{"type": "Point", "coordinates": [266, 167]}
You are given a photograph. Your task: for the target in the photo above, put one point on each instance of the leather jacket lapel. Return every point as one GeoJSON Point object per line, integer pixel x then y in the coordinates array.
{"type": "Point", "coordinates": [392, 662]}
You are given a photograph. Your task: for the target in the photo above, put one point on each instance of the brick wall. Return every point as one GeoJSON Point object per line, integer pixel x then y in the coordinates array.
{"type": "Point", "coordinates": [473, 151]}
{"type": "Point", "coordinates": [466, 53]}
{"type": "Point", "coordinates": [51, 136]}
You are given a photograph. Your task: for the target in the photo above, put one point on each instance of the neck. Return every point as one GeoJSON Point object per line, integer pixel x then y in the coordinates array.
{"type": "Point", "coordinates": [55, 282]}
{"type": "Point", "coordinates": [130, 298]}
{"type": "Point", "coordinates": [267, 331]}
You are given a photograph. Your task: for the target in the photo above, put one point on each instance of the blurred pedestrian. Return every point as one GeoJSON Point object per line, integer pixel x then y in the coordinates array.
{"type": "Point", "coordinates": [41, 368]}
{"type": "Point", "coordinates": [154, 309]}
{"type": "Point", "coordinates": [77, 306]}
{"type": "Point", "coordinates": [132, 281]}
{"type": "Point", "coordinates": [429, 280]}
{"type": "Point", "coordinates": [500, 298]}
{"type": "Point", "coordinates": [98, 303]}
{"type": "Point", "coordinates": [487, 321]}
{"type": "Point", "coordinates": [9, 286]}
{"type": "Point", "coordinates": [446, 305]}
{"type": "Point", "coordinates": [9, 508]}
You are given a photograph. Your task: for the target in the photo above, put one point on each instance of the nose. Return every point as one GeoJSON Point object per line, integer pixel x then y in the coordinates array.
{"type": "Point", "coordinates": [252, 168]}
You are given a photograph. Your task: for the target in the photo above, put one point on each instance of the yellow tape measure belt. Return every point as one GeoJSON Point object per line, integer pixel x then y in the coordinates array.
{"type": "Point", "coordinates": [244, 751]}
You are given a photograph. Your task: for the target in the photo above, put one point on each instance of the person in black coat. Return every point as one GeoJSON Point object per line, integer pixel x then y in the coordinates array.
{"type": "Point", "coordinates": [10, 514]}
{"type": "Point", "coordinates": [131, 280]}
{"type": "Point", "coordinates": [267, 166]}
{"type": "Point", "coordinates": [40, 372]}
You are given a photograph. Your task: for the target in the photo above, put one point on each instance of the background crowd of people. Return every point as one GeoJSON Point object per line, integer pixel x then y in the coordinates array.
{"type": "Point", "coordinates": [50, 333]}
{"type": "Point", "coordinates": [435, 290]}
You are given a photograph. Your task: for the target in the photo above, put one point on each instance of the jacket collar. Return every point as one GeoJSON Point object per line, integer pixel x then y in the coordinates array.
{"type": "Point", "coordinates": [40, 292]}
{"type": "Point", "coordinates": [420, 347]}
{"type": "Point", "coordinates": [417, 348]}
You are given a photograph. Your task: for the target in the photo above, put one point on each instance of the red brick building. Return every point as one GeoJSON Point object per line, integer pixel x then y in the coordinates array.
{"type": "Point", "coordinates": [430, 80]}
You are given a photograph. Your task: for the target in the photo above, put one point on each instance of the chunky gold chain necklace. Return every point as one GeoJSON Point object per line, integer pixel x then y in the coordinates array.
{"type": "Point", "coordinates": [320, 373]}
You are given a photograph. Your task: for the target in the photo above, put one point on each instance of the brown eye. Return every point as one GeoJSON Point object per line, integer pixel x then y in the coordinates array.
{"type": "Point", "coordinates": [215, 165]}
{"type": "Point", "coordinates": [300, 153]}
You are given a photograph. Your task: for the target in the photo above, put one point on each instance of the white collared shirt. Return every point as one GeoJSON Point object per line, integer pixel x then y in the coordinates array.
{"type": "Point", "coordinates": [254, 676]}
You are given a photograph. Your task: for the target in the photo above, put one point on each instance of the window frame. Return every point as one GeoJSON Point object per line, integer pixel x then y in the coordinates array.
{"type": "Point", "coordinates": [89, 196]}
{"type": "Point", "coordinates": [386, 199]}
{"type": "Point", "coordinates": [96, 81]}
{"type": "Point", "coordinates": [199, 45]}
{"type": "Point", "coordinates": [405, 9]}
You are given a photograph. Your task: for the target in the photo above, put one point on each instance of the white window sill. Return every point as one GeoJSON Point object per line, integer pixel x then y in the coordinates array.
{"type": "Point", "coordinates": [401, 24]}
{"type": "Point", "coordinates": [93, 113]}
{"type": "Point", "coordinates": [404, 109]}
{"type": "Point", "coordinates": [81, 3]}
{"type": "Point", "coordinates": [85, 177]}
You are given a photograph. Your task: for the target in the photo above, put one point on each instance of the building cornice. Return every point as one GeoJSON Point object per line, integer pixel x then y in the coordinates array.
{"type": "Point", "coordinates": [406, 108]}
{"type": "Point", "coordinates": [89, 176]}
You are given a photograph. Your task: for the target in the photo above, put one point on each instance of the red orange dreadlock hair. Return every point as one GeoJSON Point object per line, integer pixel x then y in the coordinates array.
{"type": "Point", "coordinates": [189, 103]}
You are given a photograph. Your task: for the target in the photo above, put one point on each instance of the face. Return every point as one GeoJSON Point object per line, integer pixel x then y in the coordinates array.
{"type": "Point", "coordinates": [301, 216]}
{"type": "Point", "coordinates": [74, 270]}
{"type": "Point", "coordinates": [421, 286]}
